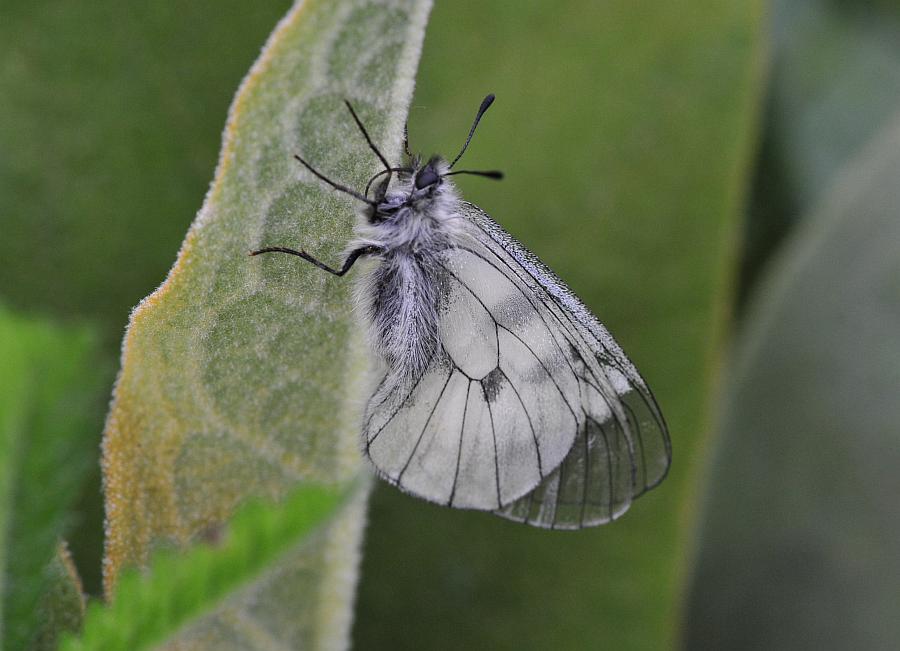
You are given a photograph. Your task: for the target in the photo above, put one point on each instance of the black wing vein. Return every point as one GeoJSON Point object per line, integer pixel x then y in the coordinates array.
{"type": "Point", "coordinates": [520, 340]}
{"type": "Point", "coordinates": [424, 427]}
{"type": "Point", "coordinates": [537, 448]}
{"type": "Point", "coordinates": [462, 429]}
{"type": "Point", "coordinates": [400, 405]}
{"type": "Point", "coordinates": [494, 439]}
{"type": "Point", "coordinates": [531, 268]}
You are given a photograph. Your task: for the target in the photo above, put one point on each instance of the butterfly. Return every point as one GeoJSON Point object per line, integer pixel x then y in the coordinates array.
{"type": "Point", "coordinates": [499, 390]}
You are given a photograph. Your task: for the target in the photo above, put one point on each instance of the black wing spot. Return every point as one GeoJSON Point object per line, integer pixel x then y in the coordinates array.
{"type": "Point", "coordinates": [492, 383]}
{"type": "Point", "coordinates": [575, 353]}
{"type": "Point", "coordinates": [537, 358]}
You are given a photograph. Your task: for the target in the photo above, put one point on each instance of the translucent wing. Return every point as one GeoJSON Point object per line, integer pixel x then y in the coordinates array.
{"type": "Point", "coordinates": [622, 448]}
{"type": "Point", "coordinates": [529, 408]}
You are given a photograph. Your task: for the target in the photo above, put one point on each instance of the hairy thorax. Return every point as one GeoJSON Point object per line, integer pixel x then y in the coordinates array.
{"type": "Point", "coordinates": [400, 296]}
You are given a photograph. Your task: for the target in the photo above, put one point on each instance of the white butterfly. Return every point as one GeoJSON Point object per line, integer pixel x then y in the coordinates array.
{"type": "Point", "coordinates": [500, 390]}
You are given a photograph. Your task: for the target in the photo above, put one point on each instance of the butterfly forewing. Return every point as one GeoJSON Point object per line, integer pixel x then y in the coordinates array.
{"type": "Point", "coordinates": [498, 407]}
{"type": "Point", "coordinates": [623, 448]}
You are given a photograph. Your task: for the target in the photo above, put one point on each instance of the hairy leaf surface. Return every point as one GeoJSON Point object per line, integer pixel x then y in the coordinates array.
{"type": "Point", "coordinates": [242, 376]}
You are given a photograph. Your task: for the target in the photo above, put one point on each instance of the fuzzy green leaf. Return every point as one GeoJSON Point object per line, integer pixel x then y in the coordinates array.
{"type": "Point", "coordinates": [799, 548]}
{"type": "Point", "coordinates": [625, 131]}
{"type": "Point", "coordinates": [180, 588]}
{"type": "Point", "coordinates": [50, 384]}
{"type": "Point", "coordinates": [243, 376]}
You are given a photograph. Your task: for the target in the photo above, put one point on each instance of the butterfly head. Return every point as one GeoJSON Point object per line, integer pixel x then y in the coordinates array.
{"type": "Point", "coordinates": [428, 176]}
{"type": "Point", "coordinates": [420, 183]}
{"type": "Point", "coordinates": [422, 189]}
{"type": "Point", "coordinates": [427, 179]}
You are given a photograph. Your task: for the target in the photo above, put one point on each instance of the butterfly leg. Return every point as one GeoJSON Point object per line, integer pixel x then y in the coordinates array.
{"type": "Point", "coordinates": [348, 263]}
{"type": "Point", "coordinates": [406, 140]}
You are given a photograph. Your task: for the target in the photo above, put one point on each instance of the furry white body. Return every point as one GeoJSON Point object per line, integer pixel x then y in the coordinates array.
{"type": "Point", "coordinates": [399, 297]}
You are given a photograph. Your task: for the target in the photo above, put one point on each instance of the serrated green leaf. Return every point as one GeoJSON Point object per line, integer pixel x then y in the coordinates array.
{"type": "Point", "coordinates": [625, 131]}
{"type": "Point", "coordinates": [799, 545]}
{"type": "Point", "coordinates": [50, 382]}
{"type": "Point", "coordinates": [61, 609]}
{"type": "Point", "coordinates": [179, 590]}
{"type": "Point", "coordinates": [243, 376]}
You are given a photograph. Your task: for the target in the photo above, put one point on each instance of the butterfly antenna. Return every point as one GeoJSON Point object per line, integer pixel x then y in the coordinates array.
{"type": "Point", "coordinates": [491, 174]}
{"type": "Point", "coordinates": [334, 184]}
{"type": "Point", "coordinates": [382, 173]}
{"type": "Point", "coordinates": [387, 166]}
{"type": "Point", "coordinates": [485, 105]}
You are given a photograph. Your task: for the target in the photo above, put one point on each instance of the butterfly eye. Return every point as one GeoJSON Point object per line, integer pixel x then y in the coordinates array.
{"type": "Point", "coordinates": [425, 178]}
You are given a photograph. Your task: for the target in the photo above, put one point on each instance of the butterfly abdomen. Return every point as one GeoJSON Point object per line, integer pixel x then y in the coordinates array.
{"type": "Point", "coordinates": [403, 313]}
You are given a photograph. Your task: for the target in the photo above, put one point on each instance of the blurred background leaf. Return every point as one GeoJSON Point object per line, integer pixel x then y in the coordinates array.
{"type": "Point", "coordinates": [799, 548]}
{"type": "Point", "coordinates": [111, 116]}
{"type": "Point", "coordinates": [835, 81]}
{"type": "Point", "coordinates": [625, 130]}
{"type": "Point", "coordinates": [49, 387]}
{"type": "Point", "coordinates": [111, 120]}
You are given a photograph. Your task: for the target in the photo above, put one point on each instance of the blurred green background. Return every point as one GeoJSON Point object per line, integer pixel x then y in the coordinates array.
{"type": "Point", "coordinates": [715, 178]}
